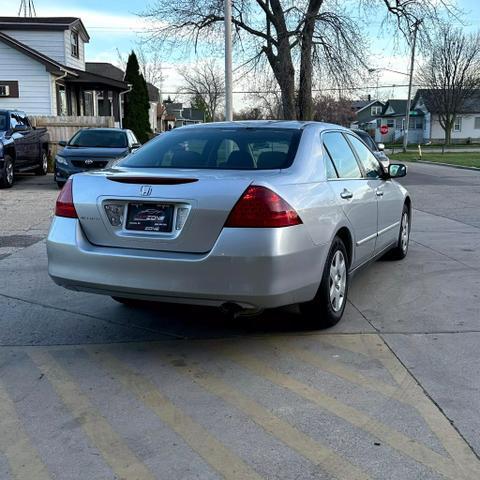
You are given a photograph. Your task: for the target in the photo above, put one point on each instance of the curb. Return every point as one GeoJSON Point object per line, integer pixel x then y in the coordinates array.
{"type": "Point", "coordinates": [461, 167]}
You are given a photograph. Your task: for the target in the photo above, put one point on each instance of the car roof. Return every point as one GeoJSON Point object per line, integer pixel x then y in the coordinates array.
{"type": "Point", "coordinates": [105, 129]}
{"type": "Point", "coordinates": [281, 124]}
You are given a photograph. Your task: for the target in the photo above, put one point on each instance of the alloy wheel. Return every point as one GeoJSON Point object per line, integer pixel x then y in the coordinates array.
{"type": "Point", "coordinates": [405, 232]}
{"type": "Point", "coordinates": [338, 281]}
{"type": "Point", "coordinates": [9, 172]}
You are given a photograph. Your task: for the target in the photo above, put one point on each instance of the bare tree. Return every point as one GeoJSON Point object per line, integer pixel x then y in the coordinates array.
{"type": "Point", "coordinates": [150, 62]}
{"type": "Point", "coordinates": [252, 113]}
{"type": "Point", "coordinates": [299, 39]}
{"type": "Point", "coordinates": [451, 75]}
{"type": "Point", "coordinates": [329, 109]}
{"type": "Point", "coordinates": [205, 85]}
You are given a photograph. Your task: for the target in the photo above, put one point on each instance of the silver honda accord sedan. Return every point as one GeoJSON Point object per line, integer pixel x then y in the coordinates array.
{"type": "Point", "coordinates": [241, 215]}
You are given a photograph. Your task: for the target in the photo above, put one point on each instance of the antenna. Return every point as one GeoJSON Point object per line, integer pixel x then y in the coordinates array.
{"type": "Point", "coordinates": [27, 9]}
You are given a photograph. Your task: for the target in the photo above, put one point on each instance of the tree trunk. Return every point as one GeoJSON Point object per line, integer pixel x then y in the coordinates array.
{"type": "Point", "coordinates": [305, 100]}
{"type": "Point", "coordinates": [282, 67]}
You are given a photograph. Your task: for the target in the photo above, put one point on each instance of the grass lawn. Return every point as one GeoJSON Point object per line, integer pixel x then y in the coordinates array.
{"type": "Point", "coordinates": [466, 159]}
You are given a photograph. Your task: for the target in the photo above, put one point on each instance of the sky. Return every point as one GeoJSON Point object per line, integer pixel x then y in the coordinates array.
{"type": "Point", "coordinates": [114, 25]}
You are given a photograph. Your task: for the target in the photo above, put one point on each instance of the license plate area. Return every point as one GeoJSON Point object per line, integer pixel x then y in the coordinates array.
{"type": "Point", "coordinates": [149, 217]}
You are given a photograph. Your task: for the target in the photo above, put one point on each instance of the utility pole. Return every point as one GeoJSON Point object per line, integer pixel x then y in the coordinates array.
{"type": "Point", "coordinates": [27, 9]}
{"type": "Point", "coordinates": [228, 62]}
{"type": "Point", "coordinates": [416, 25]}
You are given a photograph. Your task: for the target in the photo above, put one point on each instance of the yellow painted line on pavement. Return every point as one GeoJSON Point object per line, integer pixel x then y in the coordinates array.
{"type": "Point", "coordinates": [225, 462]}
{"type": "Point", "coordinates": [467, 464]}
{"type": "Point", "coordinates": [22, 457]}
{"type": "Point", "coordinates": [314, 451]}
{"type": "Point", "coordinates": [393, 438]}
{"type": "Point", "coordinates": [121, 459]}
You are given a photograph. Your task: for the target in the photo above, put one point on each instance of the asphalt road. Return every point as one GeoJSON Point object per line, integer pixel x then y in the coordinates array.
{"type": "Point", "coordinates": [93, 390]}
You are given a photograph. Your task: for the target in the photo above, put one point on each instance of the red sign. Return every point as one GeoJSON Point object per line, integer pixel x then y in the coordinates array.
{"type": "Point", "coordinates": [384, 129]}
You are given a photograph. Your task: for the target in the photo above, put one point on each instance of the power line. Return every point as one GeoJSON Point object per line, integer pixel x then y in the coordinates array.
{"type": "Point", "coordinates": [330, 89]}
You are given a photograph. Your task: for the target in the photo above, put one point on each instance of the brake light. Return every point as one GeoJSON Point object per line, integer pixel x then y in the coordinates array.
{"type": "Point", "coordinates": [64, 206]}
{"type": "Point", "coordinates": [259, 207]}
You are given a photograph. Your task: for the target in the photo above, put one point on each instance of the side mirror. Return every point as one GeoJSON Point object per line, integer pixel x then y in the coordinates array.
{"type": "Point", "coordinates": [397, 170]}
{"type": "Point", "coordinates": [62, 143]}
{"type": "Point", "coordinates": [381, 147]}
{"type": "Point", "coordinates": [135, 146]}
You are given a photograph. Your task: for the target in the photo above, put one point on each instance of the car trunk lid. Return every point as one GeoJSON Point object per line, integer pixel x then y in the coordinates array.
{"type": "Point", "coordinates": [183, 211]}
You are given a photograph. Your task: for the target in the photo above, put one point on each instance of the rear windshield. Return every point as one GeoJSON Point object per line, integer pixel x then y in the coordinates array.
{"type": "Point", "coordinates": [3, 122]}
{"type": "Point", "coordinates": [219, 148]}
{"type": "Point", "coordinates": [99, 139]}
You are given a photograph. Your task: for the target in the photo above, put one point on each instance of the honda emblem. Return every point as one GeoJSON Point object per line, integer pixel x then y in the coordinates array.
{"type": "Point", "coordinates": [145, 190]}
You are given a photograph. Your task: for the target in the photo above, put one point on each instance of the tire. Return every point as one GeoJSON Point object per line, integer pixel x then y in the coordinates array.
{"type": "Point", "coordinates": [400, 251]}
{"type": "Point", "coordinates": [60, 185]}
{"type": "Point", "coordinates": [7, 175]}
{"type": "Point", "coordinates": [327, 308]}
{"type": "Point", "coordinates": [42, 169]}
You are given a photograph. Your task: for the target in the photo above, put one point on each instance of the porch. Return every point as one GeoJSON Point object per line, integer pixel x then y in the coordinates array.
{"type": "Point", "coordinates": [89, 95]}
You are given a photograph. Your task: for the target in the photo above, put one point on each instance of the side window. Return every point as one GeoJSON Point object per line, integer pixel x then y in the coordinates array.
{"type": "Point", "coordinates": [341, 155]}
{"type": "Point", "coordinates": [367, 158]}
{"type": "Point", "coordinates": [330, 167]}
{"type": "Point", "coordinates": [13, 120]}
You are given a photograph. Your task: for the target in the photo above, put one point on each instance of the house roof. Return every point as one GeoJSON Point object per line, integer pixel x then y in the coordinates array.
{"type": "Point", "coordinates": [369, 104]}
{"type": "Point", "coordinates": [50, 64]}
{"type": "Point", "coordinates": [357, 104]}
{"type": "Point", "coordinates": [111, 71]}
{"type": "Point", "coordinates": [399, 107]}
{"type": "Point", "coordinates": [44, 23]}
{"type": "Point", "coordinates": [470, 105]}
{"type": "Point", "coordinates": [95, 79]}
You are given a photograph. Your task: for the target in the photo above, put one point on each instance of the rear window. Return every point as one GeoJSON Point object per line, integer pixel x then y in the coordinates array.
{"type": "Point", "coordinates": [99, 139]}
{"type": "Point", "coordinates": [218, 148]}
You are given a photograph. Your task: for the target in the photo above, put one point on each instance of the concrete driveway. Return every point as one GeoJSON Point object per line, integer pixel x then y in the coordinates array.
{"type": "Point", "coordinates": [93, 390]}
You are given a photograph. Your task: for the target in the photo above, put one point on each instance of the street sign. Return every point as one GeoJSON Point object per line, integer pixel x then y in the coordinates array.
{"type": "Point", "coordinates": [384, 129]}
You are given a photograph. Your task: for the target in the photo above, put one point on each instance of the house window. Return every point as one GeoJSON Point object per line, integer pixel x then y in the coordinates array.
{"type": "Point", "coordinates": [457, 127]}
{"type": "Point", "coordinates": [390, 123]}
{"type": "Point", "coordinates": [415, 123]}
{"type": "Point", "coordinates": [4, 90]}
{"type": "Point", "coordinates": [477, 123]}
{"type": "Point", "coordinates": [375, 110]}
{"type": "Point", "coordinates": [74, 45]}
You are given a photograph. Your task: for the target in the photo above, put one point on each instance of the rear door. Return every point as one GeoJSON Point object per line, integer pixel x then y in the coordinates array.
{"type": "Point", "coordinates": [30, 138]}
{"type": "Point", "coordinates": [389, 198]}
{"type": "Point", "coordinates": [354, 193]}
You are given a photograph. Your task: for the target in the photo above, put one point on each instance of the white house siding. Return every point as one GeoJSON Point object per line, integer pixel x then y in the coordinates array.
{"type": "Point", "coordinates": [34, 82]}
{"type": "Point", "coordinates": [72, 61]}
{"type": "Point", "coordinates": [468, 130]}
{"type": "Point", "coordinates": [51, 44]}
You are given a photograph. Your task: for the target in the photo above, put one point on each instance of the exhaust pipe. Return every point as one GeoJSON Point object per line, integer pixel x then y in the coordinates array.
{"type": "Point", "coordinates": [234, 310]}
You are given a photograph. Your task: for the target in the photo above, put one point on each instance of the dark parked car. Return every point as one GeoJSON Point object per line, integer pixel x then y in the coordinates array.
{"type": "Point", "coordinates": [376, 148]}
{"type": "Point", "coordinates": [23, 148]}
{"type": "Point", "coordinates": [93, 149]}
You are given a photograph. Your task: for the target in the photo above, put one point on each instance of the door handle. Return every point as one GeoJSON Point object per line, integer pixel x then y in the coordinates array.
{"type": "Point", "coordinates": [379, 192]}
{"type": "Point", "coordinates": [346, 194]}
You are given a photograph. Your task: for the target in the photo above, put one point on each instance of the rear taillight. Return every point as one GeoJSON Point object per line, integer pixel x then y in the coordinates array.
{"type": "Point", "coordinates": [65, 206]}
{"type": "Point", "coordinates": [259, 207]}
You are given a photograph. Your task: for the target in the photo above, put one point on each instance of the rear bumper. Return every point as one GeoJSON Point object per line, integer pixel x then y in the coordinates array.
{"type": "Point", "coordinates": [255, 268]}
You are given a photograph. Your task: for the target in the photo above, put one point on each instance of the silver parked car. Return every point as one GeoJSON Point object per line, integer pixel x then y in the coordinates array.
{"type": "Point", "coordinates": [245, 216]}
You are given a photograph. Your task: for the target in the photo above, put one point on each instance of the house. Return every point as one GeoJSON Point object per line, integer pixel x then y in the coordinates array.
{"type": "Point", "coordinates": [43, 70]}
{"type": "Point", "coordinates": [467, 122]}
{"type": "Point", "coordinates": [393, 116]}
{"type": "Point", "coordinates": [111, 71]}
{"type": "Point", "coordinates": [367, 115]}
{"type": "Point", "coordinates": [174, 114]}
